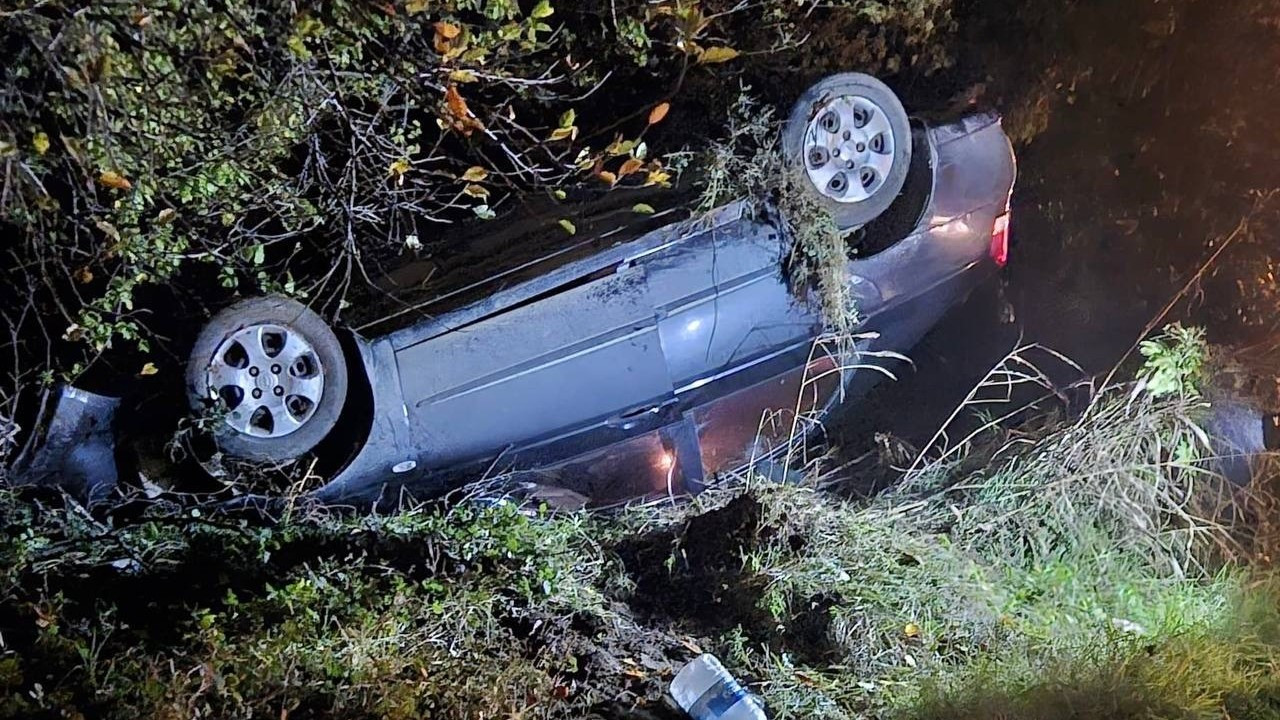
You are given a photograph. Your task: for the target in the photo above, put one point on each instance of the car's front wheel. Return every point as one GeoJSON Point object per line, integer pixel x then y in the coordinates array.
{"type": "Point", "coordinates": [848, 143]}
{"type": "Point", "coordinates": [272, 375]}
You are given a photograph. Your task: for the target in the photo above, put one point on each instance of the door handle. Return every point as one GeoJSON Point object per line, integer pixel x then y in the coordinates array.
{"type": "Point", "coordinates": [631, 418]}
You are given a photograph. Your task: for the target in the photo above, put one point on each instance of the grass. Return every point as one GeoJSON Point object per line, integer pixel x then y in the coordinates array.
{"type": "Point", "coordinates": [1103, 551]}
{"type": "Point", "coordinates": [421, 612]}
{"type": "Point", "coordinates": [925, 606]}
{"type": "Point", "coordinates": [1090, 567]}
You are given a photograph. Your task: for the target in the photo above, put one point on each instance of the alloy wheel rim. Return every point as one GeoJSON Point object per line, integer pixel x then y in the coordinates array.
{"type": "Point", "coordinates": [269, 379]}
{"type": "Point", "coordinates": [849, 148]}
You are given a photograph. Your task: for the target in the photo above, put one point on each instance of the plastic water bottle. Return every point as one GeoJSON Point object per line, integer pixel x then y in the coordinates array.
{"type": "Point", "coordinates": [706, 691]}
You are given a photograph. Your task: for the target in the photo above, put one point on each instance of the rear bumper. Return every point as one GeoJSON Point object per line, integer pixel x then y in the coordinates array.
{"type": "Point", "coordinates": [73, 445]}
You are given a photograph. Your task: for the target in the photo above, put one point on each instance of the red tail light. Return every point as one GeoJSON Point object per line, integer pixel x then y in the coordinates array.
{"type": "Point", "coordinates": [1000, 240]}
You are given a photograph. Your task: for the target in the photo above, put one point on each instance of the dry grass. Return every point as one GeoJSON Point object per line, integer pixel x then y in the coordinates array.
{"type": "Point", "coordinates": [1102, 546]}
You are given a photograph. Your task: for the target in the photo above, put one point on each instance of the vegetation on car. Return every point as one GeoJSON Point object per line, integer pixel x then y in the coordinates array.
{"type": "Point", "coordinates": [748, 163]}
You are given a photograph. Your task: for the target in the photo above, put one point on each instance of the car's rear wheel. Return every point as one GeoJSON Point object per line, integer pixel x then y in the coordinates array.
{"type": "Point", "coordinates": [848, 144]}
{"type": "Point", "coordinates": [272, 374]}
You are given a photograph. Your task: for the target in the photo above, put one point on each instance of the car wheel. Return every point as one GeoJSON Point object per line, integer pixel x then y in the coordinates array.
{"type": "Point", "coordinates": [848, 142]}
{"type": "Point", "coordinates": [274, 375]}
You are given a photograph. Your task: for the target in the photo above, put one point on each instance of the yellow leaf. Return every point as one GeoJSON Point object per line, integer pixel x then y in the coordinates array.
{"type": "Point", "coordinates": [658, 176]}
{"type": "Point", "coordinates": [620, 146]}
{"type": "Point", "coordinates": [114, 180]}
{"type": "Point", "coordinates": [41, 143]}
{"type": "Point", "coordinates": [148, 369]}
{"type": "Point", "coordinates": [475, 174]}
{"type": "Point", "coordinates": [717, 54]}
{"type": "Point", "coordinates": [413, 7]}
{"type": "Point", "coordinates": [659, 112]}
{"type": "Point", "coordinates": [568, 226]}
{"type": "Point", "coordinates": [463, 76]}
{"type": "Point", "coordinates": [911, 630]}
{"type": "Point", "coordinates": [447, 30]}
{"type": "Point", "coordinates": [608, 177]}
{"type": "Point", "coordinates": [630, 166]}
{"type": "Point", "coordinates": [563, 133]}
{"type": "Point", "coordinates": [398, 168]}
{"type": "Point", "coordinates": [642, 209]}
{"type": "Point", "coordinates": [475, 191]}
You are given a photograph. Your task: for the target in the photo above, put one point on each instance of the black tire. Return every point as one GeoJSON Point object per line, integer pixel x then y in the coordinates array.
{"type": "Point", "coordinates": [850, 215]}
{"type": "Point", "coordinates": [296, 318]}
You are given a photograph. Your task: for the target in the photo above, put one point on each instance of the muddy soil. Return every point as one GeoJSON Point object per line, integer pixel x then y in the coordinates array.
{"type": "Point", "coordinates": [694, 579]}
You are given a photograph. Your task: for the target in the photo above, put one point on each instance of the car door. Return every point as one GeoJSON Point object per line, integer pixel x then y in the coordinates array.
{"type": "Point", "coordinates": [549, 369]}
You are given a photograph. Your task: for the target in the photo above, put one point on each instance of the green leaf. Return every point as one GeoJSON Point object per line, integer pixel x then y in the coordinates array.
{"type": "Point", "coordinates": [642, 208]}
{"type": "Point", "coordinates": [542, 9]}
{"type": "Point", "coordinates": [568, 226]}
{"type": "Point", "coordinates": [566, 120]}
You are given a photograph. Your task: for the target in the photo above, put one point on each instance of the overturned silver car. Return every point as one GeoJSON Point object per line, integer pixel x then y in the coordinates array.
{"type": "Point", "coordinates": [654, 359]}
